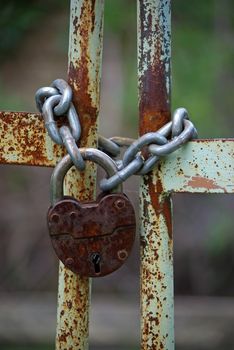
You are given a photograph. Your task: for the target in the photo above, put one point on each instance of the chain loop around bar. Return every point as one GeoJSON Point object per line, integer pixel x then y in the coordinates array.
{"type": "Point", "coordinates": [158, 146]}
{"type": "Point", "coordinates": [141, 154]}
{"type": "Point", "coordinates": [55, 101]}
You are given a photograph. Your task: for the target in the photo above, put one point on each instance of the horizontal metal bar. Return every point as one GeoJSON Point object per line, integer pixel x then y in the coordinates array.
{"type": "Point", "coordinates": [201, 166]}
{"type": "Point", "coordinates": [23, 140]}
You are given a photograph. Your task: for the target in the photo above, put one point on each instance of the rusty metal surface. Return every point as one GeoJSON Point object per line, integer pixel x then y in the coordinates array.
{"type": "Point", "coordinates": [201, 166]}
{"type": "Point", "coordinates": [85, 50]}
{"type": "Point", "coordinates": [93, 238]}
{"type": "Point", "coordinates": [157, 312]}
{"type": "Point", "coordinates": [154, 51]}
{"type": "Point", "coordinates": [84, 70]}
{"type": "Point", "coordinates": [25, 141]}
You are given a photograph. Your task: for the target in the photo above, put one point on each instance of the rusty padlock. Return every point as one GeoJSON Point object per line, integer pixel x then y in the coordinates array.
{"type": "Point", "coordinates": [91, 238]}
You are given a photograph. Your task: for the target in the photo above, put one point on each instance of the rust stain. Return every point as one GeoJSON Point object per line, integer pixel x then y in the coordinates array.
{"type": "Point", "coordinates": [79, 72]}
{"type": "Point", "coordinates": [80, 301]}
{"type": "Point", "coordinates": [202, 182]}
{"type": "Point", "coordinates": [93, 2]}
{"type": "Point", "coordinates": [154, 102]}
{"type": "Point", "coordinates": [161, 203]}
{"type": "Point", "coordinates": [83, 77]}
{"type": "Point", "coordinates": [69, 304]}
{"type": "Point", "coordinates": [63, 337]}
{"type": "Point", "coordinates": [23, 141]}
{"type": "Point", "coordinates": [154, 110]}
{"type": "Point", "coordinates": [96, 228]}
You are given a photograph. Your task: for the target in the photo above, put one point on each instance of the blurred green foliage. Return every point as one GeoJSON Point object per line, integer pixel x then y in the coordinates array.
{"type": "Point", "coordinates": [220, 235]}
{"type": "Point", "coordinates": [120, 20]}
{"type": "Point", "coordinates": [120, 17]}
{"type": "Point", "coordinates": [220, 249]}
{"type": "Point", "coordinates": [17, 17]}
{"type": "Point", "coordinates": [202, 54]}
{"type": "Point", "coordinates": [202, 63]}
{"type": "Point", "coordinates": [9, 101]}
{"type": "Point", "coordinates": [202, 60]}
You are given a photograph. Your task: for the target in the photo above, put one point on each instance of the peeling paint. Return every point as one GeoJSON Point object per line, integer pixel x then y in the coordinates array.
{"type": "Point", "coordinates": [201, 182]}
{"type": "Point", "coordinates": [24, 140]}
{"type": "Point", "coordinates": [154, 63]}
{"type": "Point", "coordinates": [84, 71]}
{"type": "Point", "coordinates": [157, 314]}
{"type": "Point", "coordinates": [201, 166]}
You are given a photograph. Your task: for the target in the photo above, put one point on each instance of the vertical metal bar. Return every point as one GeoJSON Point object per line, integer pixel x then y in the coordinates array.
{"type": "Point", "coordinates": [84, 71]}
{"type": "Point", "coordinates": [154, 52]}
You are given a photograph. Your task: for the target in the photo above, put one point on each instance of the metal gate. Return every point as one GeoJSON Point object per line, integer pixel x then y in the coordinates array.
{"type": "Point", "coordinates": [188, 170]}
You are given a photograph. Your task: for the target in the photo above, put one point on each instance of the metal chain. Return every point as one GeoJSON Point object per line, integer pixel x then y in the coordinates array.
{"type": "Point", "coordinates": [133, 162]}
{"type": "Point", "coordinates": [56, 100]}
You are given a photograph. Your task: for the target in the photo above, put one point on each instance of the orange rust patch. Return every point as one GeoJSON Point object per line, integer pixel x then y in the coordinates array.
{"type": "Point", "coordinates": [154, 103]}
{"type": "Point", "coordinates": [86, 87]}
{"type": "Point", "coordinates": [202, 182]}
{"type": "Point", "coordinates": [161, 205]}
{"type": "Point", "coordinates": [23, 140]}
{"type": "Point", "coordinates": [154, 110]}
{"type": "Point", "coordinates": [79, 72]}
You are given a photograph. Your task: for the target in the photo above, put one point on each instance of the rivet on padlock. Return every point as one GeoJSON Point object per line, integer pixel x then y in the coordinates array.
{"type": "Point", "coordinates": [91, 238]}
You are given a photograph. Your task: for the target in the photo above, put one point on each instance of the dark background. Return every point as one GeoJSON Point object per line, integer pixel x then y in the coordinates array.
{"type": "Point", "coordinates": [33, 52]}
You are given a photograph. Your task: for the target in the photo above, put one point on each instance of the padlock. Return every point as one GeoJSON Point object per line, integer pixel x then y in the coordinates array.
{"type": "Point", "coordinates": [91, 238]}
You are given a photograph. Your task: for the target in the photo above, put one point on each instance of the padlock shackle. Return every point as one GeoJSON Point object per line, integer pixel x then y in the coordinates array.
{"type": "Point", "coordinates": [61, 169]}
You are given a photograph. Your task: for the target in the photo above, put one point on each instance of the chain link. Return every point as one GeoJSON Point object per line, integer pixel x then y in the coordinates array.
{"type": "Point", "coordinates": [141, 154]}
{"type": "Point", "coordinates": [182, 129]}
{"type": "Point", "coordinates": [55, 101]}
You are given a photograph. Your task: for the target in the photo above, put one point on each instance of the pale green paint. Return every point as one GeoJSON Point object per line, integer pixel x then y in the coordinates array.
{"type": "Point", "coordinates": [160, 36]}
{"type": "Point", "coordinates": [199, 167]}
{"type": "Point", "coordinates": [74, 291]}
{"type": "Point", "coordinates": [157, 294]}
{"type": "Point", "coordinates": [94, 46]}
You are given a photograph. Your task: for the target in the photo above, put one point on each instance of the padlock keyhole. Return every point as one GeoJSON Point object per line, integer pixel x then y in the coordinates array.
{"type": "Point", "coordinates": [96, 259]}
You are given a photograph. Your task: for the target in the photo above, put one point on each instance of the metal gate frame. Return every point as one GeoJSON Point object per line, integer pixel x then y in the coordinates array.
{"type": "Point", "coordinates": [202, 166]}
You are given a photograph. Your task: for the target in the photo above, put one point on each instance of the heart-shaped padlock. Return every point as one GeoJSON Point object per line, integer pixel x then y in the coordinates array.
{"type": "Point", "coordinates": [91, 238]}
